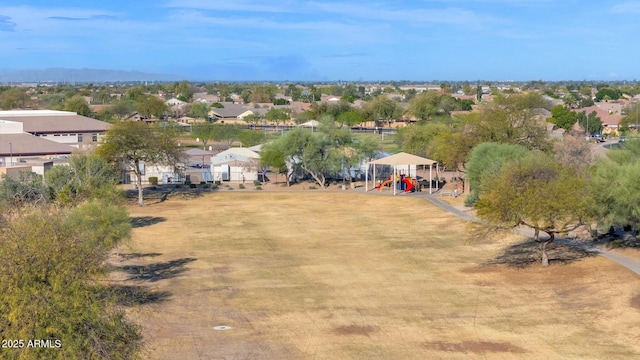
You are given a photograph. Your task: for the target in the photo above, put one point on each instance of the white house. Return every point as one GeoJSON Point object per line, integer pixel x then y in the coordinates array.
{"type": "Point", "coordinates": [235, 165]}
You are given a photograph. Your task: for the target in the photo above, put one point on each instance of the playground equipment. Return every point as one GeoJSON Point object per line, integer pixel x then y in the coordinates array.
{"type": "Point", "coordinates": [405, 184]}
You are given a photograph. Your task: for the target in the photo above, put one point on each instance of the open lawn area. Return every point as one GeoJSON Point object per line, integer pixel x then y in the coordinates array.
{"type": "Point", "coordinates": [337, 275]}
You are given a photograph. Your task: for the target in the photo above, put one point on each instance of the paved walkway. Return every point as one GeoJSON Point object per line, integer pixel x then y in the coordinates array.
{"type": "Point", "coordinates": [628, 263]}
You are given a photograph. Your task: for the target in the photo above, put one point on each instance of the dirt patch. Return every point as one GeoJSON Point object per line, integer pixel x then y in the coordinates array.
{"type": "Point", "coordinates": [480, 269]}
{"type": "Point", "coordinates": [635, 302]}
{"type": "Point", "coordinates": [476, 347]}
{"type": "Point", "coordinates": [355, 330]}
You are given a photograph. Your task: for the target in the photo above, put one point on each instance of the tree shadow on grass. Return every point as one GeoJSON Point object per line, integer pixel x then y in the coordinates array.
{"type": "Point", "coordinates": [132, 295]}
{"type": "Point", "coordinates": [157, 271]}
{"type": "Point", "coordinates": [142, 221]}
{"type": "Point", "coordinates": [527, 253]}
{"type": "Point", "coordinates": [138, 255]}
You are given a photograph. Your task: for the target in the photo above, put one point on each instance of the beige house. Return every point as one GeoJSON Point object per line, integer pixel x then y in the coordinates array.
{"type": "Point", "coordinates": [17, 147]}
{"type": "Point", "coordinates": [63, 127]}
{"type": "Point", "coordinates": [235, 165]}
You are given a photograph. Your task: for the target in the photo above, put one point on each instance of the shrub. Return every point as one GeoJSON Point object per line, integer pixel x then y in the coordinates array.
{"type": "Point", "coordinates": [217, 182]}
{"type": "Point", "coordinates": [257, 183]}
{"type": "Point", "coordinates": [153, 180]}
{"type": "Point", "coordinates": [258, 187]}
{"type": "Point", "coordinates": [192, 186]}
{"type": "Point", "coordinates": [203, 182]}
{"type": "Point", "coordinates": [241, 186]}
{"type": "Point", "coordinates": [312, 187]}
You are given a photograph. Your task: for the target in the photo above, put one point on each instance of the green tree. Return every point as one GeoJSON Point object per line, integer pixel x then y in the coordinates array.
{"type": "Point", "coordinates": [536, 192]}
{"type": "Point", "coordinates": [262, 94]}
{"type": "Point", "coordinates": [250, 138]}
{"type": "Point", "coordinates": [206, 132]}
{"type": "Point", "coordinates": [592, 121]}
{"type": "Point", "coordinates": [122, 108]}
{"type": "Point", "coordinates": [86, 177]}
{"type": "Point", "coordinates": [228, 133]}
{"type": "Point", "coordinates": [311, 152]}
{"type": "Point", "coordinates": [419, 139]}
{"type": "Point", "coordinates": [274, 155]}
{"type": "Point", "coordinates": [350, 118]}
{"type": "Point", "coordinates": [382, 108]}
{"type": "Point", "coordinates": [563, 117]}
{"type": "Point", "coordinates": [183, 89]}
{"type": "Point", "coordinates": [608, 94]}
{"type": "Point", "coordinates": [277, 116]}
{"type": "Point", "coordinates": [78, 105]}
{"type": "Point", "coordinates": [151, 106]}
{"type": "Point", "coordinates": [26, 188]}
{"type": "Point", "coordinates": [615, 185]}
{"type": "Point", "coordinates": [106, 114]}
{"type": "Point", "coordinates": [486, 161]}
{"type": "Point", "coordinates": [199, 111]}
{"type": "Point", "coordinates": [135, 144]}
{"type": "Point", "coordinates": [253, 119]}
{"type": "Point", "coordinates": [14, 98]}
{"type": "Point", "coordinates": [48, 289]}
{"type": "Point", "coordinates": [425, 105]}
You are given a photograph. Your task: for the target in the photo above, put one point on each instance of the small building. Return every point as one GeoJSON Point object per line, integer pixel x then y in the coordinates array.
{"type": "Point", "coordinates": [235, 165]}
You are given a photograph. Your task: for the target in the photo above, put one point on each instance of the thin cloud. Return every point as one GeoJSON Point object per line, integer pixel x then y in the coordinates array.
{"type": "Point", "coordinates": [629, 7]}
{"type": "Point", "coordinates": [94, 17]}
{"type": "Point", "coordinates": [345, 55]}
{"type": "Point", "coordinates": [6, 24]}
{"type": "Point", "coordinates": [252, 6]}
{"type": "Point", "coordinates": [414, 15]}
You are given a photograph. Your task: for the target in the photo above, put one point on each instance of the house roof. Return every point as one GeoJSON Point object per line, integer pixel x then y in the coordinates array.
{"type": "Point", "coordinates": [233, 155]}
{"type": "Point", "coordinates": [198, 152]}
{"type": "Point", "coordinates": [29, 145]}
{"type": "Point", "coordinates": [229, 110]}
{"type": "Point", "coordinates": [240, 151]}
{"type": "Point", "coordinates": [609, 113]}
{"type": "Point", "coordinates": [50, 121]}
{"type": "Point", "coordinates": [310, 124]}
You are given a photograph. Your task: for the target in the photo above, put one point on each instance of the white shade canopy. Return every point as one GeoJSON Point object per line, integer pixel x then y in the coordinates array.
{"type": "Point", "coordinates": [403, 159]}
{"type": "Point", "coordinates": [400, 159]}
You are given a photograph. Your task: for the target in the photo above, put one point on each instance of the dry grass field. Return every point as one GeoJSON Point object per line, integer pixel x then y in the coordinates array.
{"type": "Point", "coordinates": [330, 275]}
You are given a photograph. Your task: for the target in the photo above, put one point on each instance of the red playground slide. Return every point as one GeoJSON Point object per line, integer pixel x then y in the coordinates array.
{"type": "Point", "coordinates": [408, 184]}
{"type": "Point", "coordinates": [405, 180]}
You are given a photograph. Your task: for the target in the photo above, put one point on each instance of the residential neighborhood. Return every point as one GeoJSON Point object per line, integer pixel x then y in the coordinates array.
{"type": "Point", "coordinates": [210, 214]}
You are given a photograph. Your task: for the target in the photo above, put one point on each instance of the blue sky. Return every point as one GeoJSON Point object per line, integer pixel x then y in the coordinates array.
{"type": "Point", "coordinates": [350, 40]}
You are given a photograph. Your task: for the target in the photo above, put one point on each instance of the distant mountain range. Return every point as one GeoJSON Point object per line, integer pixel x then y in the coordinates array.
{"type": "Point", "coordinates": [65, 75]}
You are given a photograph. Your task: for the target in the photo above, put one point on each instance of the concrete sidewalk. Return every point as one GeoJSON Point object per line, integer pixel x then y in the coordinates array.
{"type": "Point", "coordinates": [628, 263]}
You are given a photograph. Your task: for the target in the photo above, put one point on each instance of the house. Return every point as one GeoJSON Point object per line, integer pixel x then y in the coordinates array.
{"type": "Point", "coordinates": [235, 165]}
{"type": "Point", "coordinates": [206, 98]}
{"type": "Point", "coordinates": [230, 111]}
{"type": "Point", "coordinates": [63, 127]}
{"type": "Point", "coordinates": [136, 116]}
{"type": "Point", "coordinates": [610, 113]}
{"type": "Point", "coordinates": [173, 102]}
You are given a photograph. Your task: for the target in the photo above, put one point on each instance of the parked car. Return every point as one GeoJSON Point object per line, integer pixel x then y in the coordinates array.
{"type": "Point", "coordinates": [622, 139]}
{"type": "Point", "coordinates": [596, 138]}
